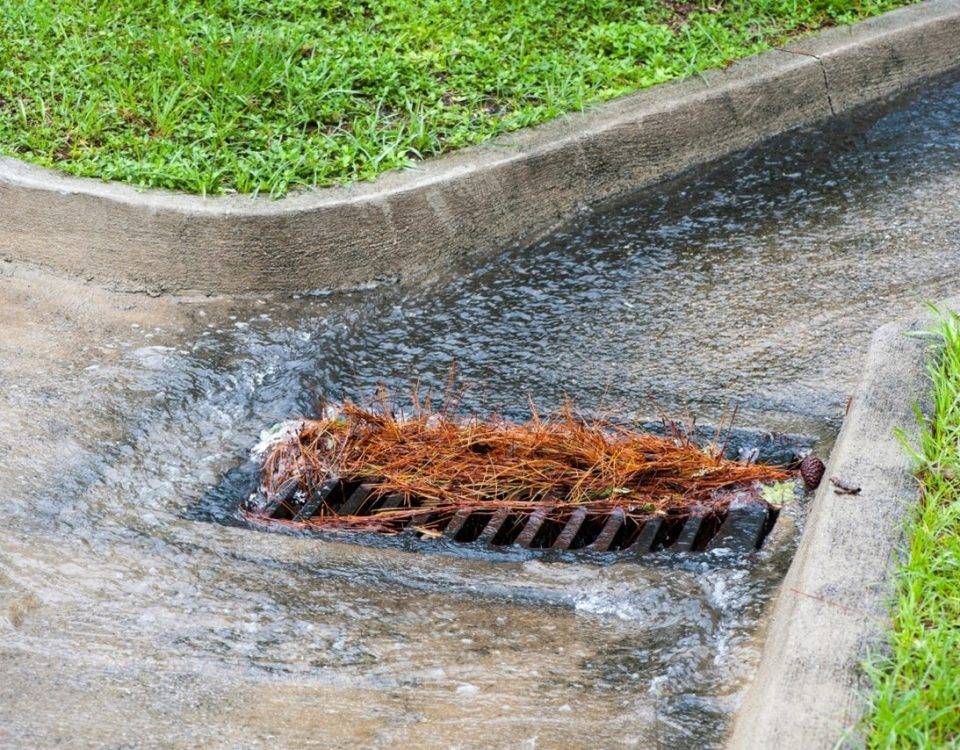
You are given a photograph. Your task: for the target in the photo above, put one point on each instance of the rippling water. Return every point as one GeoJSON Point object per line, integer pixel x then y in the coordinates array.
{"type": "Point", "coordinates": [755, 282]}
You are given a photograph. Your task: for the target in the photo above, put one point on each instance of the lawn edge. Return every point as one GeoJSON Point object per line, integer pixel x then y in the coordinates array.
{"type": "Point", "coordinates": [833, 608]}
{"type": "Point", "coordinates": [511, 189]}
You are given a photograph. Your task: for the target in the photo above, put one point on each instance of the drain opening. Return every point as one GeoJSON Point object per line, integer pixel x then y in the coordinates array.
{"type": "Point", "coordinates": [741, 528]}
{"type": "Point", "coordinates": [621, 520]}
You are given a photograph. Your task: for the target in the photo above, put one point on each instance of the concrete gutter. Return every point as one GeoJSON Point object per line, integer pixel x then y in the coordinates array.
{"type": "Point", "coordinates": [833, 608]}
{"type": "Point", "coordinates": [512, 189]}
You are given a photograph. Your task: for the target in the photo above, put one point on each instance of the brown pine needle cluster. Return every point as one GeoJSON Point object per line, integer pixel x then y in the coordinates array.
{"type": "Point", "coordinates": [441, 465]}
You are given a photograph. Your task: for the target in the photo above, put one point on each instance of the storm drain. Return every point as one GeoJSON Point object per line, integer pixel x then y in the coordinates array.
{"type": "Point", "coordinates": [741, 528]}
{"type": "Point", "coordinates": [362, 510]}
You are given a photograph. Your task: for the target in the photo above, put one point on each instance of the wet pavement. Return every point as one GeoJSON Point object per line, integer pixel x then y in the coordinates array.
{"type": "Point", "coordinates": [754, 283]}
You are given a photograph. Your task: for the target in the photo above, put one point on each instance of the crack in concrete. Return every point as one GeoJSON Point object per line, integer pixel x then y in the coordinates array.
{"type": "Point", "coordinates": [823, 70]}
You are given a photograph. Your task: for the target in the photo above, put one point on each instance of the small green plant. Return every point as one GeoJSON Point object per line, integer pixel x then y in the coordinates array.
{"type": "Point", "coordinates": [916, 697]}
{"type": "Point", "coordinates": [779, 494]}
{"type": "Point", "coordinates": [253, 96]}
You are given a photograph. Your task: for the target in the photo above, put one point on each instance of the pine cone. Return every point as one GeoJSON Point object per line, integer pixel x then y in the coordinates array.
{"type": "Point", "coordinates": [811, 469]}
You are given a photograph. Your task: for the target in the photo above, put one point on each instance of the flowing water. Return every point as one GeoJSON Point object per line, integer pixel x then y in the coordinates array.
{"type": "Point", "coordinates": [755, 282]}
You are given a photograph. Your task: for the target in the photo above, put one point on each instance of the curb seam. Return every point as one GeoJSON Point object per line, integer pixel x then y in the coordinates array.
{"type": "Point", "coordinates": [823, 69]}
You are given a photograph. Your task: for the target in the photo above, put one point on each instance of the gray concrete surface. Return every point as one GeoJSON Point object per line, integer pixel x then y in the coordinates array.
{"type": "Point", "coordinates": [419, 221]}
{"type": "Point", "coordinates": [832, 610]}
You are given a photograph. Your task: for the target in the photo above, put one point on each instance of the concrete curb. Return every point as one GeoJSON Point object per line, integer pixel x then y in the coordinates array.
{"type": "Point", "coordinates": [512, 189]}
{"type": "Point", "coordinates": [810, 689]}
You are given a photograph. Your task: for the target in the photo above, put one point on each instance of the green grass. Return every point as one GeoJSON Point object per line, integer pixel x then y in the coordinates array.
{"type": "Point", "coordinates": [265, 95]}
{"type": "Point", "coordinates": [916, 700]}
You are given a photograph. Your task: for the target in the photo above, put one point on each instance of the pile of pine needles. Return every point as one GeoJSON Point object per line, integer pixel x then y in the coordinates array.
{"type": "Point", "coordinates": [441, 465]}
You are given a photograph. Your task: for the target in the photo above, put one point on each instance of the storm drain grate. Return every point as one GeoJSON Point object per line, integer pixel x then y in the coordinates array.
{"type": "Point", "coordinates": [741, 528]}
{"type": "Point", "coordinates": [740, 522]}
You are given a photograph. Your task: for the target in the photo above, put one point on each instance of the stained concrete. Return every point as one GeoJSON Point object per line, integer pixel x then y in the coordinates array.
{"type": "Point", "coordinates": [413, 223]}
{"type": "Point", "coordinates": [118, 410]}
{"type": "Point", "coordinates": [833, 607]}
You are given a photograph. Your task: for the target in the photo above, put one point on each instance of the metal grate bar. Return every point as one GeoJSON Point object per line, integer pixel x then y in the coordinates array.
{"type": "Point", "coordinates": [688, 535]}
{"type": "Point", "coordinates": [743, 529]}
{"type": "Point", "coordinates": [355, 503]}
{"type": "Point", "coordinates": [457, 523]}
{"type": "Point", "coordinates": [647, 537]}
{"type": "Point", "coordinates": [319, 497]}
{"type": "Point", "coordinates": [392, 501]}
{"type": "Point", "coordinates": [537, 518]}
{"type": "Point", "coordinates": [281, 497]}
{"type": "Point", "coordinates": [494, 525]}
{"type": "Point", "coordinates": [570, 530]}
{"type": "Point", "coordinates": [608, 532]}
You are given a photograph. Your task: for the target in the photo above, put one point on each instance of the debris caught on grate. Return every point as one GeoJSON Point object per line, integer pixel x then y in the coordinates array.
{"type": "Point", "coordinates": [553, 483]}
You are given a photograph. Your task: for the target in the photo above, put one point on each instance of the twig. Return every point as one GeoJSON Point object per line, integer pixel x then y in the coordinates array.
{"type": "Point", "coordinates": [842, 488]}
